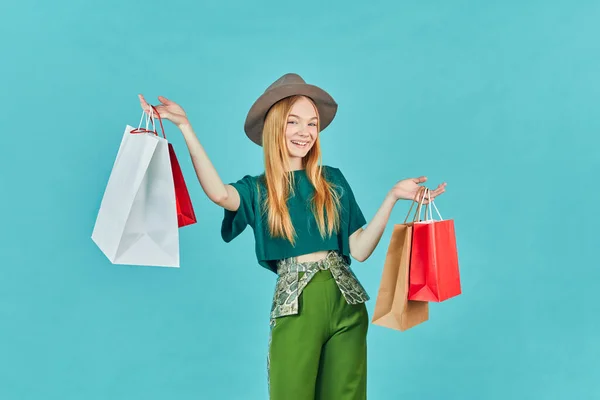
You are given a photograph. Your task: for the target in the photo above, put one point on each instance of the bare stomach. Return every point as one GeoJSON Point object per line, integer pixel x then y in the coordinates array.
{"type": "Point", "coordinates": [316, 256]}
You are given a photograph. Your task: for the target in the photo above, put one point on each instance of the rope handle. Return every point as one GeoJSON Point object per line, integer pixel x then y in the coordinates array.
{"type": "Point", "coordinates": [149, 118]}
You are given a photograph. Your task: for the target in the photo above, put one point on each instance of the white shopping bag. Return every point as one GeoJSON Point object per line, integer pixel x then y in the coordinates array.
{"type": "Point", "coordinates": [137, 220]}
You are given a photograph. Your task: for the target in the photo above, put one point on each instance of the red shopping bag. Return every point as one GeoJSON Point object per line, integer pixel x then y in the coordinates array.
{"type": "Point", "coordinates": [185, 210]}
{"type": "Point", "coordinates": [434, 272]}
{"type": "Point", "coordinates": [392, 308]}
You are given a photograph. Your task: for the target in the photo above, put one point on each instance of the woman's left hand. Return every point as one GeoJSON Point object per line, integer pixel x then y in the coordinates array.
{"type": "Point", "coordinates": [407, 189]}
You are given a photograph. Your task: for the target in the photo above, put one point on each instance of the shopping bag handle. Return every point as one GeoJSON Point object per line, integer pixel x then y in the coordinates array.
{"type": "Point", "coordinates": [417, 215]}
{"type": "Point", "coordinates": [418, 210]}
{"type": "Point", "coordinates": [139, 128]}
{"type": "Point", "coordinates": [428, 208]}
{"type": "Point", "coordinates": [149, 118]}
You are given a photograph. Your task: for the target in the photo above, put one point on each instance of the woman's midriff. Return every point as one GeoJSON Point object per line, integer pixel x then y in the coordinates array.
{"type": "Point", "coordinates": [316, 256]}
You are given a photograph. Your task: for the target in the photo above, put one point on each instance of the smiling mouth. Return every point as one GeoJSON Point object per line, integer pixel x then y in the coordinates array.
{"type": "Point", "coordinates": [299, 143]}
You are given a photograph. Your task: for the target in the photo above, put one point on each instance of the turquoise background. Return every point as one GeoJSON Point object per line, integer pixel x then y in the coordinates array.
{"type": "Point", "coordinates": [499, 99]}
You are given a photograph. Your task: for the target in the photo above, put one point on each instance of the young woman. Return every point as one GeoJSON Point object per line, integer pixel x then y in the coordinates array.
{"type": "Point", "coordinates": [307, 226]}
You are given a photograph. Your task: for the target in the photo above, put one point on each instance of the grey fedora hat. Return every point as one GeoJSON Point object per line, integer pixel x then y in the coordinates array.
{"type": "Point", "coordinates": [288, 85]}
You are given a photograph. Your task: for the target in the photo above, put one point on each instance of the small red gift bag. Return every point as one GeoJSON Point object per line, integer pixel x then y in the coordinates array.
{"type": "Point", "coordinates": [434, 272]}
{"type": "Point", "coordinates": [185, 210]}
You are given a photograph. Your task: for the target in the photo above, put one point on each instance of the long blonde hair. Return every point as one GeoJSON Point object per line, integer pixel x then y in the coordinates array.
{"type": "Point", "coordinates": [280, 183]}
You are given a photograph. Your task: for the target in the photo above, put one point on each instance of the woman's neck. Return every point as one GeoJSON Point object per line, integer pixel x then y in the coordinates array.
{"type": "Point", "coordinates": [296, 166]}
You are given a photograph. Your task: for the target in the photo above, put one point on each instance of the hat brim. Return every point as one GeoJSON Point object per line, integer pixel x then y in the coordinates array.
{"type": "Point", "coordinates": [255, 120]}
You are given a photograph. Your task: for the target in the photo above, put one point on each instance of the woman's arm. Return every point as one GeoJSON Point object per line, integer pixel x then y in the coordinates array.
{"type": "Point", "coordinates": [224, 195]}
{"type": "Point", "coordinates": [364, 241]}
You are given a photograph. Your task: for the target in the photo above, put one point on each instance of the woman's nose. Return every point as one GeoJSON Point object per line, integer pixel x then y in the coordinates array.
{"type": "Point", "coordinates": [303, 130]}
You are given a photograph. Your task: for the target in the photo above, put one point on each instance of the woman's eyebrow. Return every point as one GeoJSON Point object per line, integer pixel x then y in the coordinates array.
{"type": "Point", "coordinates": [294, 115]}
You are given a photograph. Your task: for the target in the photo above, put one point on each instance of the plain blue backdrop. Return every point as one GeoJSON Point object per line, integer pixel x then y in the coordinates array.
{"type": "Point", "coordinates": [499, 99]}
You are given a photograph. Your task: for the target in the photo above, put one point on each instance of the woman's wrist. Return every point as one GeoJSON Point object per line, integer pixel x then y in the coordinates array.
{"type": "Point", "coordinates": [185, 127]}
{"type": "Point", "coordinates": [391, 198]}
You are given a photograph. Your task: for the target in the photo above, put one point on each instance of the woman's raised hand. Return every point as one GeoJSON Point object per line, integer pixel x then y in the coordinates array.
{"type": "Point", "coordinates": [166, 110]}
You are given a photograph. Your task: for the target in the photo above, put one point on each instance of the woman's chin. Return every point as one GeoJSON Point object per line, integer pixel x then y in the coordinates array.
{"type": "Point", "coordinates": [298, 152]}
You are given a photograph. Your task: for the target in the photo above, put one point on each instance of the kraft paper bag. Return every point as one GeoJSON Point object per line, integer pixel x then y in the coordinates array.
{"type": "Point", "coordinates": [392, 308]}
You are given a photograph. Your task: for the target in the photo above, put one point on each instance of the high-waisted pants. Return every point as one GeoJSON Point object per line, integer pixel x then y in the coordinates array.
{"type": "Point", "coordinates": [321, 352]}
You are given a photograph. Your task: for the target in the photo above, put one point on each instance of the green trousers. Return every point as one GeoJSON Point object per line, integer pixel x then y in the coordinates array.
{"type": "Point", "coordinates": [321, 352]}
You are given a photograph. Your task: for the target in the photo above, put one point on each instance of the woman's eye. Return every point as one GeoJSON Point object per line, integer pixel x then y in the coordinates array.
{"type": "Point", "coordinates": [291, 122]}
{"type": "Point", "coordinates": [313, 124]}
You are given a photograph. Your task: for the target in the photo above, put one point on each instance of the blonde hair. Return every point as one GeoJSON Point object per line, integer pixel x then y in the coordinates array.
{"type": "Point", "coordinates": [280, 183]}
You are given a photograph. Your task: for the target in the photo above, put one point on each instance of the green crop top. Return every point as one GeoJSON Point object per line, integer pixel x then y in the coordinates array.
{"type": "Point", "coordinates": [308, 238]}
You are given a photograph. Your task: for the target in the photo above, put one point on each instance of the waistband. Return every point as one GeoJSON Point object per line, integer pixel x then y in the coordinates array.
{"type": "Point", "coordinates": [332, 259]}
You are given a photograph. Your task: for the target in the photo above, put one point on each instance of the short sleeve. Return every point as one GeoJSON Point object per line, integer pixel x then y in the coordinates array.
{"type": "Point", "coordinates": [235, 222]}
{"type": "Point", "coordinates": [356, 219]}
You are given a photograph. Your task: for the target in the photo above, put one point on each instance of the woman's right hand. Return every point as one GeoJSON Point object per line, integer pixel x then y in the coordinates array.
{"type": "Point", "coordinates": [166, 110]}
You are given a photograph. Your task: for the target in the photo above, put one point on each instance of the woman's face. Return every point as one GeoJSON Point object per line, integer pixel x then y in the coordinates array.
{"type": "Point", "coordinates": [301, 128]}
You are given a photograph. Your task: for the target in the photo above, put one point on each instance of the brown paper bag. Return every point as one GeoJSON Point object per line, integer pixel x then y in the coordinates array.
{"type": "Point", "coordinates": [392, 308]}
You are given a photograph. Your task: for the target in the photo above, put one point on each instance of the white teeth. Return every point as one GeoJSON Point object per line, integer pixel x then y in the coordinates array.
{"type": "Point", "coordinates": [300, 143]}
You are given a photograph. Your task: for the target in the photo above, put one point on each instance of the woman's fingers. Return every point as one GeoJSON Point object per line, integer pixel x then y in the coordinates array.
{"type": "Point", "coordinates": [164, 100]}
{"type": "Point", "coordinates": [147, 106]}
{"type": "Point", "coordinates": [440, 189]}
{"type": "Point", "coordinates": [161, 112]}
{"type": "Point", "coordinates": [144, 104]}
{"type": "Point", "coordinates": [424, 194]}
